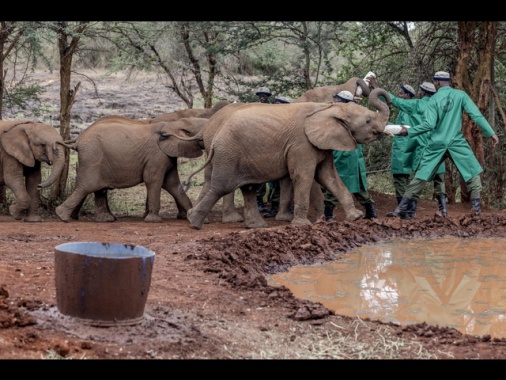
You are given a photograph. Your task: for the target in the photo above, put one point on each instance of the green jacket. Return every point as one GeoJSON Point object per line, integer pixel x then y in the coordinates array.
{"type": "Point", "coordinates": [351, 168]}
{"type": "Point", "coordinates": [414, 110]}
{"type": "Point", "coordinates": [401, 160]}
{"type": "Point", "coordinates": [442, 123]}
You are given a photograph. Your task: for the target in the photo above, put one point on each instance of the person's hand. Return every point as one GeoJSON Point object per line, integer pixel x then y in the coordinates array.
{"type": "Point", "coordinates": [404, 131]}
{"type": "Point", "coordinates": [495, 140]}
{"type": "Point", "coordinates": [372, 81]}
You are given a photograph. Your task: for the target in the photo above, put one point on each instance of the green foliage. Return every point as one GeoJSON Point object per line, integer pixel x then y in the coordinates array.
{"type": "Point", "coordinates": [24, 94]}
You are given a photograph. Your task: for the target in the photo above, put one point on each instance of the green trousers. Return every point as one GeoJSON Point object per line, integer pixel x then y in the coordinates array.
{"type": "Point", "coordinates": [416, 187]}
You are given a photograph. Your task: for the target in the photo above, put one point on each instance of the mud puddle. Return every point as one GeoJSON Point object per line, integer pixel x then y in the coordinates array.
{"type": "Point", "coordinates": [453, 282]}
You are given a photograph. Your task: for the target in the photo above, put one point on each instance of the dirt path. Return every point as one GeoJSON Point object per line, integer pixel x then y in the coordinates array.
{"type": "Point", "coordinates": [209, 296]}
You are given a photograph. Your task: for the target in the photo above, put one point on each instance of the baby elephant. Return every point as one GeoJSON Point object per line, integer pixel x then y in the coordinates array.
{"type": "Point", "coordinates": [116, 152]}
{"type": "Point", "coordinates": [24, 145]}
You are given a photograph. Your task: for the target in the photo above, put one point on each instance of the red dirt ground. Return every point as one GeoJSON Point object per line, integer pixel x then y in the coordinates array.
{"type": "Point", "coordinates": [209, 297]}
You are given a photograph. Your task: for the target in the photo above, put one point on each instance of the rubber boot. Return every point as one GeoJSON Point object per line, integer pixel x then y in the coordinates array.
{"type": "Point", "coordinates": [391, 213]}
{"type": "Point", "coordinates": [370, 211]}
{"type": "Point", "coordinates": [274, 210]}
{"type": "Point", "coordinates": [261, 205]}
{"type": "Point", "coordinates": [402, 209]}
{"type": "Point", "coordinates": [412, 208]}
{"type": "Point", "coordinates": [475, 203]}
{"type": "Point", "coordinates": [442, 205]}
{"type": "Point", "coordinates": [329, 212]}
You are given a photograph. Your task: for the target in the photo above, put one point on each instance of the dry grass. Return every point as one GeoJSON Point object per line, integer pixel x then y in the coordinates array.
{"type": "Point", "coordinates": [334, 342]}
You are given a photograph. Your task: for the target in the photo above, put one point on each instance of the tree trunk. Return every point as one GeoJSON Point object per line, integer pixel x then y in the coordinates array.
{"type": "Point", "coordinates": [476, 83]}
{"type": "Point", "coordinates": [67, 45]}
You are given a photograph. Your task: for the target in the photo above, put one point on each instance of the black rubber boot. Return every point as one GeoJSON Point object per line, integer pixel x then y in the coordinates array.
{"type": "Point", "coordinates": [274, 210]}
{"type": "Point", "coordinates": [391, 213]}
{"type": "Point", "coordinates": [402, 209]}
{"type": "Point", "coordinates": [442, 205]}
{"type": "Point", "coordinates": [261, 205]}
{"type": "Point", "coordinates": [329, 212]}
{"type": "Point", "coordinates": [412, 208]}
{"type": "Point", "coordinates": [370, 211]}
{"type": "Point", "coordinates": [475, 203]}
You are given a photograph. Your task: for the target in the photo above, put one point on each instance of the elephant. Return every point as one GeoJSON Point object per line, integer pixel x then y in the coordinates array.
{"type": "Point", "coordinates": [205, 113]}
{"type": "Point", "coordinates": [256, 143]}
{"type": "Point", "coordinates": [323, 94]}
{"type": "Point", "coordinates": [103, 212]}
{"type": "Point", "coordinates": [24, 145]}
{"type": "Point", "coordinates": [229, 211]}
{"type": "Point", "coordinates": [116, 152]}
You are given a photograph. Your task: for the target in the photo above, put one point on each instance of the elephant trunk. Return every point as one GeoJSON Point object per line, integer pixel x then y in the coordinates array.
{"type": "Point", "coordinates": [58, 163]}
{"type": "Point", "coordinates": [382, 107]}
{"type": "Point", "coordinates": [366, 91]}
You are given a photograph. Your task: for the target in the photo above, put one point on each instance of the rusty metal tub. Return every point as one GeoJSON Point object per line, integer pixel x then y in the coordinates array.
{"type": "Point", "coordinates": [103, 284]}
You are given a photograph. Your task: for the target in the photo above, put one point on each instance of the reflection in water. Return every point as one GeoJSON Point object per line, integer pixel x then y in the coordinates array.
{"type": "Point", "coordinates": [452, 282]}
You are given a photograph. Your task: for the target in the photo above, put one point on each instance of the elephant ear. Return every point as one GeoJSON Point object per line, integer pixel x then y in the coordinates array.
{"type": "Point", "coordinates": [327, 131]}
{"type": "Point", "coordinates": [15, 142]}
{"type": "Point", "coordinates": [172, 146]}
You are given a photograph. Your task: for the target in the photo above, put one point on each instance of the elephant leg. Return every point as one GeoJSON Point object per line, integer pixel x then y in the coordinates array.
{"type": "Point", "coordinates": [32, 179]}
{"type": "Point", "coordinates": [172, 184]}
{"type": "Point", "coordinates": [16, 183]}
{"type": "Point", "coordinates": [252, 216]}
{"type": "Point", "coordinates": [154, 192]}
{"type": "Point", "coordinates": [197, 215]}
{"type": "Point", "coordinates": [229, 212]}
{"type": "Point", "coordinates": [302, 188]}
{"type": "Point", "coordinates": [102, 211]}
{"type": "Point", "coordinates": [326, 175]}
{"type": "Point", "coordinates": [285, 200]}
{"type": "Point", "coordinates": [207, 181]}
{"type": "Point", "coordinates": [75, 212]}
{"type": "Point", "coordinates": [316, 205]}
{"type": "Point", "coordinates": [73, 201]}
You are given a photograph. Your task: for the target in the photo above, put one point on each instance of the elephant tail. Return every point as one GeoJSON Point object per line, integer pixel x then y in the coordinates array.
{"type": "Point", "coordinates": [186, 184]}
{"type": "Point", "coordinates": [70, 144]}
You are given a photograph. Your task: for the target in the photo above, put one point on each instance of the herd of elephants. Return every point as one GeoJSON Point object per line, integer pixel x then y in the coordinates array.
{"type": "Point", "coordinates": [245, 143]}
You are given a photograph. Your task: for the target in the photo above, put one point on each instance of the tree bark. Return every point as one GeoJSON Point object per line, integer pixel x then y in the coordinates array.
{"type": "Point", "coordinates": [67, 45]}
{"type": "Point", "coordinates": [477, 37]}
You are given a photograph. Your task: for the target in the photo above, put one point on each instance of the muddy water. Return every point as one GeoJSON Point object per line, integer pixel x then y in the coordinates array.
{"type": "Point", "coordinates": [452, 282]}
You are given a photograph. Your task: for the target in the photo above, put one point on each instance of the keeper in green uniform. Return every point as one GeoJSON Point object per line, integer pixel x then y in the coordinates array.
{"type": "Point", "coordinates": [400, 160]}
{"type": "Point", "coordinates": [350, 166]}
{"type": "Point", "coordinates": [443, 124]}
{"type": "Point", "coordinates": [406, 151]}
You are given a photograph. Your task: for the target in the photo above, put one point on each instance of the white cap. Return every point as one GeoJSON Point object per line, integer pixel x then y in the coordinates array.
{"type": "Point", "coordinates": [263, 90]}
{"type": "Point", "coordinates": [345, 96]}
{"type": "Point", "coordinates": [441, 75]}
{"type": "Point", "coordinates": [407, 88]}
{"type": "Point", "coordinates": [428, 87]}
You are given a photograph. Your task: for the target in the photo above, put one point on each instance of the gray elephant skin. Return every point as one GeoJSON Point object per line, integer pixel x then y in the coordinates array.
{"type": "Point", "coordinates": [205, 113]}
{"type": "Point", "coordinates": [116, 152]}
{"type": "Point", "coordinates": [103, 212]}
{"type": "Point", "coordinates": [24, 145]}
{"type": "Point", "coordinates": [229, 212]}
{"type": "Point", "coordinates": [256, 143]}
{"type": "Point", "coordinates": [324, 94]}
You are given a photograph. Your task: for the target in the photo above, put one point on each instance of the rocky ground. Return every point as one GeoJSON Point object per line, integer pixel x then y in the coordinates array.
{"type": "Point", "coordinates": [209, 297]}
